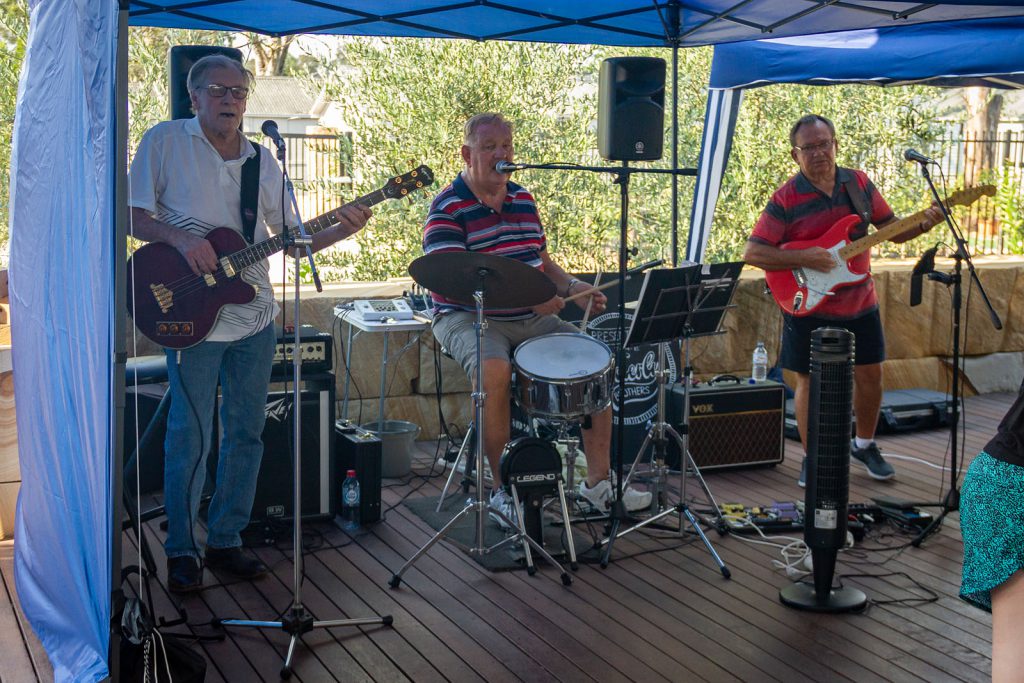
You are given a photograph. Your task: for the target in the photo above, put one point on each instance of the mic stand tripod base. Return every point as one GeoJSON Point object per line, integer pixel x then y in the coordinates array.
{"type": "Point", "coordinates": [298, 621]}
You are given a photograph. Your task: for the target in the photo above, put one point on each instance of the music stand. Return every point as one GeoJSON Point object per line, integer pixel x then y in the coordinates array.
{"type": "Point", "coordinates": [678, 303]}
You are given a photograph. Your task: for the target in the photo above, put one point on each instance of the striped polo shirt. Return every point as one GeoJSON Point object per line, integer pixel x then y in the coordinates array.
{"type": "Point", "coordinates": [458, 221]}
{"type": "Point", "coordinates": [800, 211]}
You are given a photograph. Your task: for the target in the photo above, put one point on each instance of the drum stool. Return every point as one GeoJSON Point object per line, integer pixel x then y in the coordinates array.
{"type": "Point", "coordinates": [534, 467]}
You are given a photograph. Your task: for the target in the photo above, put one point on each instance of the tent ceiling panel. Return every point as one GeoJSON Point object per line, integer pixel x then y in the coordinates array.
{"type": "Point", "coordinates": [606, 22]}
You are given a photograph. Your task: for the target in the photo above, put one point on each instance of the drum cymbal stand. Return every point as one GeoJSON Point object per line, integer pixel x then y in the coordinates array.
{"type": "Point", "coordinates": [481, 506]}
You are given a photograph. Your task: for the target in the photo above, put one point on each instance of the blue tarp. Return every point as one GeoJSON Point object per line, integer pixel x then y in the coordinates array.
{"type": "Point", "coordinates": [964, 53]}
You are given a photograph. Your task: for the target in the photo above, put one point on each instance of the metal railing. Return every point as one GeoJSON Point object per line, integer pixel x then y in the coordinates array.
{"type": "Point", "coordinates": [992, 225]}
{"type": "Point", "coordinates": [318, 169]}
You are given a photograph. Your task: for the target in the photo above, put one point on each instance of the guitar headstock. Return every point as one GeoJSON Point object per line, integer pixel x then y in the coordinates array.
{"type": "Point", "coordinates": [969, 195]}
{"type": "Point", "coordinates": [400, 186]}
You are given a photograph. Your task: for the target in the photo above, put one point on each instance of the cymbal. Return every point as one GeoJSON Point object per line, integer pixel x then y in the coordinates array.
{"type": "Point", "coordinates": [507, 283]}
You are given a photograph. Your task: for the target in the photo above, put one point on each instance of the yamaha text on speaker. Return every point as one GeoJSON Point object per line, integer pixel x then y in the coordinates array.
{"type": "Point", "coordinates": [274, 490]}
{"type": "Point", "coordinates": [631, 109]}
{"type": "Point", "coordinates": [181, 59]}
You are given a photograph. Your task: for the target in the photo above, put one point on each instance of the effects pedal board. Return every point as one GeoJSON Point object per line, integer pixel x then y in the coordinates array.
{"type": "Point", "coordinates": [377, 310]}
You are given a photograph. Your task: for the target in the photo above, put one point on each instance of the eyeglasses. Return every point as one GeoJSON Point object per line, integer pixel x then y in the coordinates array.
{"type": "Point", "coordinates": [218, 90]}
{"type": "Point", "coordinates": [813, 149]}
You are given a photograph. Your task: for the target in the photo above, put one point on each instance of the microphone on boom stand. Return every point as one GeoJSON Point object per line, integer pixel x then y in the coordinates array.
{"type": "Point", "coordinates": [914, 155]}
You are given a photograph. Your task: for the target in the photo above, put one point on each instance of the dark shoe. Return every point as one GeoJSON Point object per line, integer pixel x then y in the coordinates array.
{"type": "Point", "coordinates": [184, 574]}
{"type": "Point", "coordinates": [802, 481]}
{"type": "Point", "coordinates": [235, 562]}
{"type": "Point", "coordinates": [872, 459]}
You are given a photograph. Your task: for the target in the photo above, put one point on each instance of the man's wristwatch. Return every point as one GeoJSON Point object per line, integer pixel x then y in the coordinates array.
{"type": "Point", "coordinates": [573, 281]}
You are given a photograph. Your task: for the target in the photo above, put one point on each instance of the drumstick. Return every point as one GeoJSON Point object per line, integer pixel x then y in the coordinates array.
{"type": "Point", "coordinates": [590, 292]}
{"type": "Point", "coordinates": [629, 274]}
{"type": "Point", "coordinates": [590, 303]}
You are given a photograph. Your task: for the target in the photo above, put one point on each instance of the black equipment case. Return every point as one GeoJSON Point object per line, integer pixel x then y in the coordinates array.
{"type": "Point", "coordinates": [903, 410]}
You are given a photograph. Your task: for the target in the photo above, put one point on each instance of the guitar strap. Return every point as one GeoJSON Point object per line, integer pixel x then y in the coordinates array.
{"type": "Point", "coordinates": [859, 200]}
{"type": "Point", "coordinates": [250, 195]}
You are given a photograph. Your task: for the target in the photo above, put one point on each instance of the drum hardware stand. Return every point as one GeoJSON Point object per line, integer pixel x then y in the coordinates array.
{"type": "Point", "coordinates": [481, 507]}
{"type": "Point", "coordinates": [297, 620]}
{"type": "Point", "coordinates": [951, 501]}
{"type": "Point", "coordinates": [678, 303]}
{"type": "Point", "coordinates": [465, 451]}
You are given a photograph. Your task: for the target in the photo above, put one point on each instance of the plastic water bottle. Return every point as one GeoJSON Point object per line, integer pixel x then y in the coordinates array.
{"type": "Point", "coordinates": [759, 365]}
{"type": "Point", "coordinates": [350, 502]}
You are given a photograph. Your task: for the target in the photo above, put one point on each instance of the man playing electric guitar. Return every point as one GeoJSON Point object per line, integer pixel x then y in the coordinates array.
{"type": "Point", "coordinates": [805, 208]}
{"type": "Point", "coordinates": [188, 177]}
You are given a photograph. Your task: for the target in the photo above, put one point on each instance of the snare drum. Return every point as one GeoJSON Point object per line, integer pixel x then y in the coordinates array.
{"type": "Point", "coordinates": [563, 376]}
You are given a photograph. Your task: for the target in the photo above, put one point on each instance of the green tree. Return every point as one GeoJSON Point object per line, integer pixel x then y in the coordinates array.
{"type": "Point", "coordinates": [407, 101]}
{"type": "Point", "coordinates": [872, 126]}
{"type": "Point", "coordinates": [13, 34]}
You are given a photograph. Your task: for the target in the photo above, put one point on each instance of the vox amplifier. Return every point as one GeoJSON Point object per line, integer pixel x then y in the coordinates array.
{"type": "Point", "coordinates": [731, 425]}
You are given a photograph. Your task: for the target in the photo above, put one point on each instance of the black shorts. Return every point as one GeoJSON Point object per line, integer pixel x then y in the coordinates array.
{"type": "Point", "coordinates": [796, 339]}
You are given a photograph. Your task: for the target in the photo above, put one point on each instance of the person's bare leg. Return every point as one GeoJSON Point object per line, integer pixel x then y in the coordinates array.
{"type": "Point", "coordinates": [1007, 616]}
{"type": "Point", "coordinates": [597, 447]}
{"type": "Point", "coordinates": [867, 398]}
{"type": "Point", "coordinates": [801, 399]}
{"type": "Point", "coordinates": [497, 412]}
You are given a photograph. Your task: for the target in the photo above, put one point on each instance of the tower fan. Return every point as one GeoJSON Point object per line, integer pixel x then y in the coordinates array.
{"type": "Point", "coordinates": [829, 417]}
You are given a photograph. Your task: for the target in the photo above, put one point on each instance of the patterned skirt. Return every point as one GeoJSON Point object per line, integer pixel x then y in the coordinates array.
{"type": "Point", "coordinates": [992, 524]}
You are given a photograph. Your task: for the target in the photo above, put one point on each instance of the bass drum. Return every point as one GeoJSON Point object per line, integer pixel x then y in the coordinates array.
{"type": "Point", "coordinates": [563, 376]}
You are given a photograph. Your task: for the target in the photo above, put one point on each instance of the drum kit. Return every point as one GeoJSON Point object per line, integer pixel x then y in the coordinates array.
{"type": "Point", "coordinates": [559, 379]}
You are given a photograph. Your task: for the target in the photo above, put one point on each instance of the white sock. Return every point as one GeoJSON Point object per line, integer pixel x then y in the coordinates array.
{"type": "Point", "coordinates": [863, 443]}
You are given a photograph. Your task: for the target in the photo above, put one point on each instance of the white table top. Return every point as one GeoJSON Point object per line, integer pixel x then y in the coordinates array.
{"type": "Point", "coordinates": [417, 324]}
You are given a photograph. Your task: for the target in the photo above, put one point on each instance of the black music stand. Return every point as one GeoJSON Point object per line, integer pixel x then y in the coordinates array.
{"type": "Point", "coordinates": [677, 303]}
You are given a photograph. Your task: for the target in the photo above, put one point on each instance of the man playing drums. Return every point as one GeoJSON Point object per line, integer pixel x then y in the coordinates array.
{"type": "Point", "coordinates": [483, 211]}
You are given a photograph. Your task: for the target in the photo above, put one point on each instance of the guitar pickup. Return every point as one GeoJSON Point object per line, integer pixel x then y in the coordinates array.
{"type": "Point", "coordinates": [229, 269]}
{"type": "Point", "coordinates": [211, 281]}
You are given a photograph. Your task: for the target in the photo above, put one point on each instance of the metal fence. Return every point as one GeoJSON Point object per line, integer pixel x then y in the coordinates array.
{"type": "Point", "coordinates": [318, 169]}
{"type": "Point", "coordinates": [992, 225]}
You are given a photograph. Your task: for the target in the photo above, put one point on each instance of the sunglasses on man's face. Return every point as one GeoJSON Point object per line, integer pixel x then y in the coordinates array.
{"type": "Point", "coordinates": [216, 90]}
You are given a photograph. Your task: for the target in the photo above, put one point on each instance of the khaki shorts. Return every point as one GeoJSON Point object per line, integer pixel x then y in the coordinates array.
{"type": "Point", "coordinates": [456, 333]}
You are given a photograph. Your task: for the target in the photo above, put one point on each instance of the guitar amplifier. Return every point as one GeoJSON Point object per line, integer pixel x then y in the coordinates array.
{"type": "Point", "coordinates": [317, 351]}
{"type": "Point", "coordinates": [731, 425]}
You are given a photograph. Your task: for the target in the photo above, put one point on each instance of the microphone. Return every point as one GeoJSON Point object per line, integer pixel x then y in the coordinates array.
{"type": "Point", "coordinates": [914, 155]}
{"type": "Point", "coordinates": [269, 129]}
{"type": "Point", "coordinates": [508, 167]}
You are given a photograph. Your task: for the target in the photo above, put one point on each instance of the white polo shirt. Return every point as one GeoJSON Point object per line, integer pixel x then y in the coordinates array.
{"type": "Point", "coordinates": [179, 178]}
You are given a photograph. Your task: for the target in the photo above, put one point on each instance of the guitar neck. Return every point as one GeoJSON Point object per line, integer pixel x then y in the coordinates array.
{"type": "Point", "coordinates": [888, 232]}
{"type": "Point", "coordinates": [261, 250]}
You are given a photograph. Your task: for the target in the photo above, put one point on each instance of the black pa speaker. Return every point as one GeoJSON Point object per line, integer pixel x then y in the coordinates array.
{"type": "Point", "coordinates": [274, 490]}
{"type": "Point", "coordinates": [180, 61]}
{"type": "Point", "coordinates": [631, 108]}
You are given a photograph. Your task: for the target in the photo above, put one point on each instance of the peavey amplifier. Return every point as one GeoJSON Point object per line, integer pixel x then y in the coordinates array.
{"type": "Point", "coordinates": [731, 424]}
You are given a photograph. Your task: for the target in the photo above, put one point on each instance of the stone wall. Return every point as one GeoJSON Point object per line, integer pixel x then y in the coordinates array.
{"type": "Point", "coordinates": [919, 340]}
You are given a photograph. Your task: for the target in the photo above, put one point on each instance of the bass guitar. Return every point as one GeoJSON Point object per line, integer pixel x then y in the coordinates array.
{"type": "Point", "coordinates": [176, 308]}
{"type": "Point", "coordinates": [802, 290]}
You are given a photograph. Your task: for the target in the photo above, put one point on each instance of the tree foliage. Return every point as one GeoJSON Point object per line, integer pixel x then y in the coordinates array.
{"type": "Point", "coordinates": [13, 34]}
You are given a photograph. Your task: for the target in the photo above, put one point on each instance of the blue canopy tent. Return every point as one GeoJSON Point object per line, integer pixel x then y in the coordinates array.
{"type": "Point", "coordinates": [940, 54]}
{"type": "Point", "coordinates": [68, 193]}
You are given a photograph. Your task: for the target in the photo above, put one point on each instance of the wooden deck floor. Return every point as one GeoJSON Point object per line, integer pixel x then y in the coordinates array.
{"type": "Point", "coordinates": [660, 612]}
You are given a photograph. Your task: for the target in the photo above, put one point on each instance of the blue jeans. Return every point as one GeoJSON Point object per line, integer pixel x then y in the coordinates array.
{"type": "Point", "coordinates": [243, 370]}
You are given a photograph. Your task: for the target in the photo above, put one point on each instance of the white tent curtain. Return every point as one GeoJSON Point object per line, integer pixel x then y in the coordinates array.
{"type": "Point", "coordinates": [719, 123]}
{"type": "Point", "coordinates": [61, 284]}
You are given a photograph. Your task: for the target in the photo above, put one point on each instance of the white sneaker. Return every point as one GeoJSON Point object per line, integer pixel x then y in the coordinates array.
{"type": "Point", "coordinates": [601, 495]}
{"type": "Point", "coordinates": [502, 500]}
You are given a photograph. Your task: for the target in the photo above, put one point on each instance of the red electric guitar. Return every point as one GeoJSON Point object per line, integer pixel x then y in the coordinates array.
{"type": "Point", "coordinates": [801, 290]}
{"type": "Point", "coordinates": [177, 308]}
